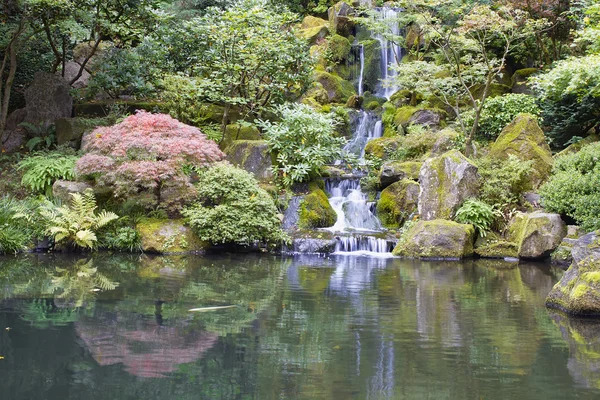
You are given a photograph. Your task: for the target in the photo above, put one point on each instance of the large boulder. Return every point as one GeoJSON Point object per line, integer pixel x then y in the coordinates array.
{"type": "Point", "coordinates": [253, 156]}
{"type": "Point", "coordinates": [437, 239]}
{"type": "Point", "coordinates": [398, 202]}
{"type": "Point", "coordinates": [428, 118]}
{"type": "Point", "coordinates": [340, 18]}
{"type": "Point", "coordinates": [536, 234]}
{"type": "Point", "coordinates": [578, 291]}
{"type": "Point", "coordinates": [313, 29]}
{"type": "Point", "coordinates": [70, 131]}
{"type": "Point", "coordinates": [47, 99]}
{"type": "Point", "coordinates": [239, 132]}
{"type": "Point", "coordinates": [315, 210]}
{"type": "Point", "coordinates": [15, 118]}
{"type": "Point", "coordinates": [519, 81]}
{"type": "Point", "coordinates": [313, 242]}
{"type": "Point", "coordinates": [168, 236]}
{"type": "Point", "coordinates": [372, 64]}
{"type": "Point", "coordinates": [446, 182]}
{"type": "Point", "coordinates": [394, 171]}
{"type": "Point", "coordinates": [62, 189]}
{"type": "Point", "coordinates": [71, 71]}
{"type": "Point", "coordinates": [524, 139]}
{"type": "Point", "coordinates": [338, 90]}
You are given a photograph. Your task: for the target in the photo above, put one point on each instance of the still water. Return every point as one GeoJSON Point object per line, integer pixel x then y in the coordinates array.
{"type": "Point", "coordinates": [119, 327]}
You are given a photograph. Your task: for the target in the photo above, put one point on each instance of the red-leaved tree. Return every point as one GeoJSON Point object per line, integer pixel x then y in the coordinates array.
{"type": "Point", "coordinates": [144, 158]}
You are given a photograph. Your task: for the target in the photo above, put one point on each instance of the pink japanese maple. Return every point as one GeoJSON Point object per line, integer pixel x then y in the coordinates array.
{"type": "Point", "coordinates": [145, 155]}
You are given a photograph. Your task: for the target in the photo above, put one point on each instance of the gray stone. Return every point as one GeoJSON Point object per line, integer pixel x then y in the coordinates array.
{"type": "Point", "coordinates": [47, 99]}
{"type": "Point", "coordinates": [537, 234]}
{"type": "Point", "coordinates": [168, 236]}
{"type": "Point", "coordinates": [62, 189]}
{"type": "Point", "coordinates": [438, 239]}
{"type": "Point", "coordinates": [309, 245]}
{"type": "Point", "coordinates": [446, 182]}
{"type": "Point", "coordinates": [15, 118]}
{"type": "Point", "coordinates": [587, 247]}
{"type": "Point", "coordinates": [340, 18]}
{"type": "Point", "coordinates": [12, 141]}
{"type": "Point", "coordinates": [394, 171]}
{"type": "Point", "coordinates": [71, 70]}
{"type": "Point", "coordinates": [69, 131]}
{"type": "Point", "coordinates": [252, 155]}
{"type": "Point", "coordinates": [426, 118]}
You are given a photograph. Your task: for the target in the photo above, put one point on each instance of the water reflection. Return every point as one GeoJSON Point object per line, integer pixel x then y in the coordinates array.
{"type": "Point", "coordinates": [303, 327]}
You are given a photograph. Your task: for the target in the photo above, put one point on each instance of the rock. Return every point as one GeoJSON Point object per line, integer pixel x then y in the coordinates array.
{"type": "Point", "coordinates": [70, 131]}
{"type": "Point", "coordinates": [338, 90]}
{"type": "Point", "coordinates": [382, 147]}
{"type": "Point", "coordinates": [562, 256]}
{"type": "Point", "coordinates": [13, 141]}
{"type": "Point", "coordinates": [437, 239]}
{"type": "Point", "coordinates": [428, 118]}
{"type": "Point", "coordinates": [533, 198]}
{"type": "Point", "coordinates": [327, 171]}
{"type": "Point", "coordinates": [84, 50]}
{"type": "Point", "coordinates": [62, 189]}
{"type": "Point", "coordinates": [536, 234]}
{"type": "Point", "coordinates": [497, 249]}
{"type": "Point", "coordinates": [394, 171]}
{"type": "Point", "coordinates": [414, 36]}
{"type": "Point", "coordinates": [354, 101]}
{"type": "Point", "coordinates": [47, 99]}
{"type": "Point", "coordinates": [253, 156]}
{"type": "Point", "coordinates": [574, 231]}
{"type": "Point", "coordinates": [15, 118]}
{"type": "Point", "coordinates": [372, 65]}
{"type": "Point", "coordinates": [444, 142]}
{"type": "Point", "coordinates": [315, 242]}
{"type": "Point", "coordinates": [315, 210]}
{"type": "Point", "coordinates": [446, 182]}
{"type": "Point", "coordinates": [168, 236]}
{"type": "Point", "coordinates": [71, 71]}
{"type": "Point", "coordinates": [340, 18]}
{"type": "Point", "coordinates": [397, 203]}
{"type": "Point", "coordinates": [578, 291]}
{"type": "Point", "coordinates": [239, 132]}
{"type": "Point", "coordinates": [575, 147]}
{"type": "Point", "coordinates": [313, 29]}
{"type": "Point", "coordinates": [524, 139]}
{"type": "Point", "coordinates": [519, 80]}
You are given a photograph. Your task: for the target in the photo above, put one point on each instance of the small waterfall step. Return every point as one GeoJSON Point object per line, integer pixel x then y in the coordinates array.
{"type": "Point", "coordinates": [364, 244]}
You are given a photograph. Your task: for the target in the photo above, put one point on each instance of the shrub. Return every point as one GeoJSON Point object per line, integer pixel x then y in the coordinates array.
{"type": "Point", "coordinates": [13, 238]}
{"type": "Point", "coordinates": [232, 208]}
{"type": "Point", "coordinates": [145, 156]}
{"type": "Point", "coordinates": [304, 141]}
{"type": "Point", "coordinates": [573, 188]}
{"type": "Point", "coordinates": [42, 169]}
{"type": "Point", "coordinates": [477, 213]}
{"type": "Point", "coordinates": [124, 238]}
{"type": "Point", "coordinates": [499, 111]}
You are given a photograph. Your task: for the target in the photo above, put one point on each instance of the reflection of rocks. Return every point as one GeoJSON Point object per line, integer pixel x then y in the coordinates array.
{"type": "Point", "coordinates": [143, 347]}
{"type": "Point", "coordinates": [583, 338]}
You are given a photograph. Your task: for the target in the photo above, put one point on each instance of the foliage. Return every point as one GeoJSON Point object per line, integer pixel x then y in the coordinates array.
{"type": "Point", "coordinates": [147, 153]}
{"type": "Point", "coordinates": [77, 223]}
{"type": "Point", "coordinates": [42, 135]}
{"type": "Point", "coordinates": [303, 139]}
{"type": "Point", "coordinates": [499, 111]}
{"type": "Point", "coordinates": [124, 238]}
{"type": "Point", "coordinates": [477, 213]}
{"type": "Point", "coordinates": [13, 238]}
{"type": "Point", "coordinates": [42, 169]}
{"type": "Point", "coordinates": [232, 208]}
{"type": "Point", "coordinates": [573, 188]}
{"type": "Point", "coordinates": [504, 181]}
{"type": "Point", "coordinates": [570, 97]}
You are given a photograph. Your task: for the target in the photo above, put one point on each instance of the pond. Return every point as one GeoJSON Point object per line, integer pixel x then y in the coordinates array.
{"type": "Point", "coordinates": [306, 327]}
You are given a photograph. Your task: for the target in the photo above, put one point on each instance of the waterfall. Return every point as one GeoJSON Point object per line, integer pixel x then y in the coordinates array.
{"type": "Point", "coordinates": [354, 211]}
{"type": "Point", "coordinates": [391, 53]}
{"type": "Point", "coordinates": [369, 127]}
{"type": "Point", "coordinates": [362, 70]}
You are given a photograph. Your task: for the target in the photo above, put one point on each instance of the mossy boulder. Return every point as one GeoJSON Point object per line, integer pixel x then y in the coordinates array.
{"type": "Point", "coordinates": [519, 80]}
{"type": "Point", "coordinates": [496, 248]}
{"type": "Point", "coordinates": [414, 36]}
{"type": "Point", "coordinates": [315, 210]}
{"type": "Point", "coordinates": [338, 48]}
{"type": "Point", "coordinates": [253, 156]}
{"type": "Point", "coordinates": [338, 90]}
{"type": "Point", "coordinates": [403, 115]}
{"type": "Point", "coordinates": [69, 131]}
{"type": "Point", "coordinates": [394, 171]}
{"type": "Point", "coordinates": [524, 139]}
{"type": "Point", "coordinates": [578, 291]}
{"type": "Point", "coordinates": [168, 236]}
{"type": "Point", "coordinates": [536, 234]}
{"type": "Point", "coordinates": [372, 64]}
{"type": "Point", "coordinates": [239, 132]}
{"type": "Point", "coordinates": [446, 182]}
{"type": "Point", "coordinates": [397, 203]}
{"type": "Point", "coordinates": [428, 118]}
{"type": "Point", "coordinates": [62, 190]}
{"type": "Point", "coordinates": [312, 242]}
{"type": "Point", "coordinates": [437, 239]}
{"type": "Point", "coordinates": [340, 18]}
{"type": "Point", "coordinates": [575, 147]}
{"type": "Point", "coordinates": [382, 147]}
{"type": "Point", "coordinates": [316, 96]}
{"type": "Point", "coordinates": [495, 90]}
{"type": "Point", "coordinates": [313, 29]}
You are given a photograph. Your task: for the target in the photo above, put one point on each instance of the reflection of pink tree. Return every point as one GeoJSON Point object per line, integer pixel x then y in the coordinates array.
{"type": "Point", "coordinates": [145, 349]}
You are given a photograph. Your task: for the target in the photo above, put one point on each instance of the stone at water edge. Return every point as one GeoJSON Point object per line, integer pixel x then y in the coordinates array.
{"type": "Point", "coordinates": [578, 291]}
{"type": "Point", "coordinates": [397, 202]}
{"type": "Point", "coordinates": [536, 234]}
{"type": "Point", "coordinates": [316, 211]}
{"type": "Point", "coordinates": [313, 29]}
{"type": "Point", "coordinates": [437, 239]}
{"type": "Point", "coordinates": [168, 236]}
{"type": "Point", "coordinates": [446, 182]}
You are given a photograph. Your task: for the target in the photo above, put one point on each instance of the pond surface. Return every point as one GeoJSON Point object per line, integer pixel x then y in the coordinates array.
{"type": "Point", "coordinates": [119, 327]}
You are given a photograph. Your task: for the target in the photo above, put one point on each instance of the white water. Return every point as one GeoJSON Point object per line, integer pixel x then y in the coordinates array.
{"type": "Point", "coordinates": [354, 211]}
{"type": "Point", "coordinates": [391, 53]}
{"type": "Point", "coordinates": [362, 70]}
{"type": "Point", "coordinates": [369, 127]}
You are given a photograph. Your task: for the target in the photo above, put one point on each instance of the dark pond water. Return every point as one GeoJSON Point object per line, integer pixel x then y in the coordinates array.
{"type": "Point", "coordinates": [119, 327]}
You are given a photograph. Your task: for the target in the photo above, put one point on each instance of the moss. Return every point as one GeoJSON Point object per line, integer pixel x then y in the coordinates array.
{"type": "Point", "coordinates": [372, 64]}
{"type": "Point", "coordinates": [579, 291]}
{"type": "Point", "coordinates": [591, 277]}
{"type": "Point", "coordinates": [437, 239]}
{"type": "Point", "coordinates": [403, 115]}
{"type": "Point", "coordinates": [522, 74]}
{"type": "Point", "coordinates": [576, 147]}
{"type": "Point", "coordinates": [495, 90]}
{"type": "Point", "coordinates": [313, 29]}
{"type": "Point", "coordinates": [315, 210]}
{"type": "Point", "coordinates": [498, 249]}
{"type": "Point", "coordinates": [168, 236]}
{"type": "Point", "coordinates": [372, 105]}
{"type": "Point", "coordinates": [338, 48]}
{"type": "Point", "coordinates": [382, 147]}
{"type": "Point", "coordinates": [338, 90]}
{"type": "Point", "coordinates": [239, 132]}
{"type": "Point", "coordinates": [397, 202]}
{"type": "Point", "coordinates": [252, 155]}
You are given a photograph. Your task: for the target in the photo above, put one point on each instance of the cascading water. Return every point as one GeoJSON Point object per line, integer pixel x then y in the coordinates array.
{"type": "Point", "coordinates": [362, 70]}
{"type": "Point", "coordinates": [391, 52]}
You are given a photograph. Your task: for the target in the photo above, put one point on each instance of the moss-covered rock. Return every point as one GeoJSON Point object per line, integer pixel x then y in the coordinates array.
{"type": "Point", "coordinates": [312, 242]}
{"type": "Point", "coordinates": [62, 190]}
{"type": "Point", "coordinates": [519, 80]}
{"type": "Point", "coordinates": [439, 239]}
{"type": "Point", "coordinates": [394, 171]}
{"type": "Point", "coordinates": [239, 132]}
{"type": "Point", "coordinates": [403, 115]}
{"type": "Point", "coordinates": [446, 182]}
{"type": "Point", "coordinates": [497, 249]}
{"type": "Point", "coordinates": [578, 291]}
{"type": "Point", "coordinates": [495, 90]}
{"type": "Point", "coordinates": [340, 18]}
{"type": "Point", "coordinates": [524, 139]}
{"type": "Point", "coordinates": [313, 29]}
{"type": "Point", "coordinates": [536, 234]}
{"type": "Point", "coordinates": [575, 147]}
{"type": "Point", "coordinates": [253, 156]}
{"type": "Point", "coordinates": [372, 64]}
{"type": "Point", "coordinates": [315, 210]}
{"type": "Point", "coordinates": [382, 147]}
{"type": "Point", "coordinates": [338, 89]}
{"type": "Point", "coordinates": [398, 202]}
{"type": "Point", "coordinates": [167, 236]}
{"type": "Point", "coordinates": [338, 48]}
{"type": "Point", "coordinates": [69, 131]}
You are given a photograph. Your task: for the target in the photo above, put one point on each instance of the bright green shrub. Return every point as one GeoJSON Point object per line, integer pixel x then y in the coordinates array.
{"type": "Point", "coordinates": [232, 208]}
{"type": "Point", "coordinates": [574, 187]}
{"type": "Point", "coordinates": [499, 111]}
{"type": "Point", "coordinates": [477, 213]}
{"type": "Point", "coordinates": [124, 238]}
{"type": "Point", "coordinates": [504, 181]}
{"type": "Point", "coordinates": [42, 169]}
{"type": "Point", "coordinates": [13, 238]}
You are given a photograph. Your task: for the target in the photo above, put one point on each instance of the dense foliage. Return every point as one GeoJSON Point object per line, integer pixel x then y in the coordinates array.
{"type": "Point", "coordinates": [42, 169]}
{"type": "Point", "coordinates": [146, 154]}
{"type": "Point", "coordinates": [231, 208]}
{"type": "Point", "coordinates": [13, 238]}
{"type": "Point", "coordinates": [574, 188]}
{"type": "Point", "coordinates": [477, 213]}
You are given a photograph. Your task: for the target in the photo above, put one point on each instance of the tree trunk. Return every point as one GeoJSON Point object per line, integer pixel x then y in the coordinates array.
{"type": "Point", "coordinates": [12, 55]}
{"type": "Point", "coordinates": [224, 121]}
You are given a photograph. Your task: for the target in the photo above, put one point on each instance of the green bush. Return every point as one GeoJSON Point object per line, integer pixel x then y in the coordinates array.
{"type": "Point", "coordinates": [13, 238]}
{"type": "Point", "coordinates": [504, 181]}
{"type": "Point", "coordinates": [42, 169]}
{"type": "Point", "coordinates": [574, 187]}
{"type": "Point", "coordinates": [232, 208]}
{"type": "Point", "coordinates": [477, 213]}
{"type": "Point", "coordinates": [304, 140]}
{"type": "Point", "coordinates": [499, 111]}
{"type": "Point", "coordinates": [124, 238]}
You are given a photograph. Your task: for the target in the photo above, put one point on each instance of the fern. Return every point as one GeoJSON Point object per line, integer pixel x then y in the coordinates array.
{"type": "Point", "coordinates": [41, 170]}
{"type": "Point", "coordinates": [477, 213]}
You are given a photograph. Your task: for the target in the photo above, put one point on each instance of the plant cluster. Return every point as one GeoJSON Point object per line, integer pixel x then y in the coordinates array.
{"type": "Point", "coordinates": [13, 238]}
{"type": "Point", "coordinates": [42, 169]}
{"type": "Point", "coordinates": [144, 157]}
{"type": "Point", "coordinates": [477, 213]}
